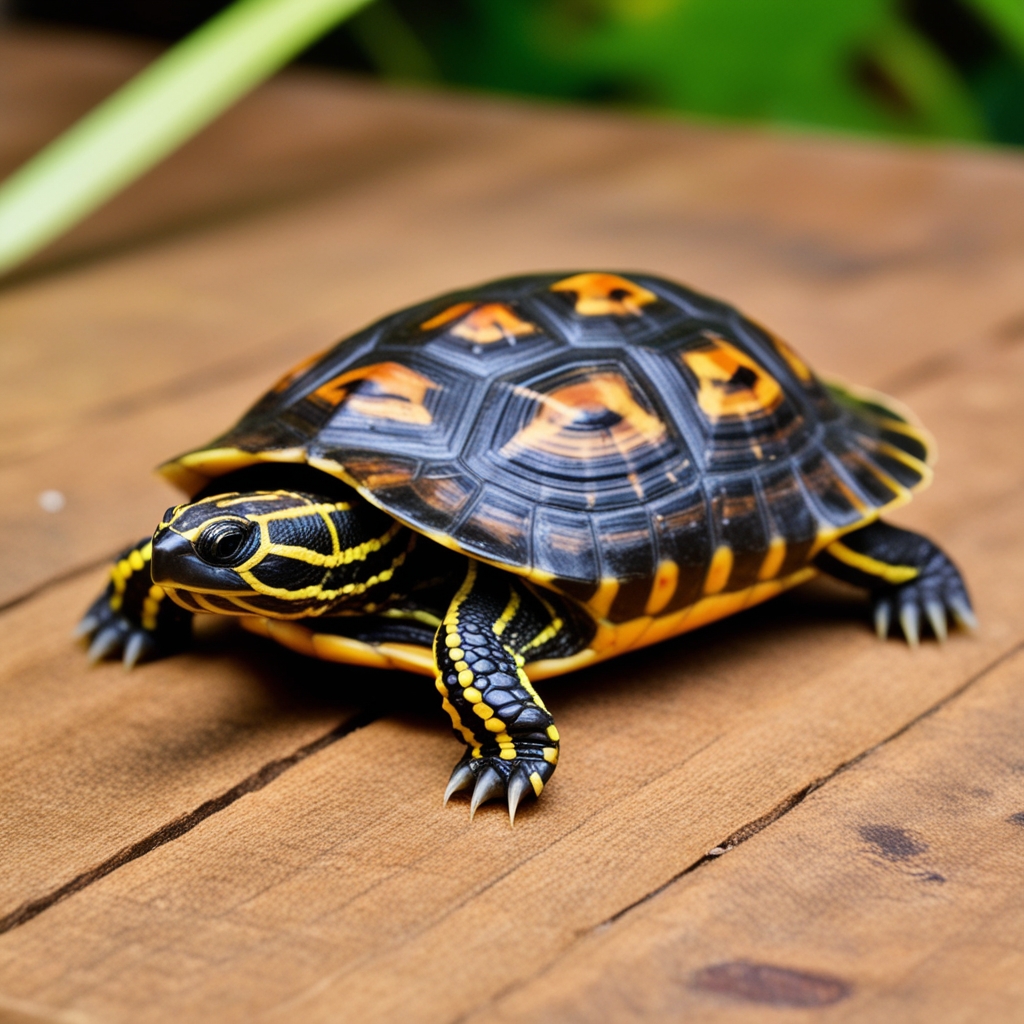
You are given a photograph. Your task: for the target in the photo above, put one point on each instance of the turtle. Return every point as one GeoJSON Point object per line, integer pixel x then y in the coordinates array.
{"type": "Point", "coordinates": [524, 478]}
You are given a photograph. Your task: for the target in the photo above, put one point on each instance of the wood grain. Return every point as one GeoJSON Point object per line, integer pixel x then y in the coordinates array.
{"type": "Point", "coordinates": [892, 893]}
{"type": "Point", "coordinates": [94, 761]}
{"type": "Point", "coordinates": [323, 880]}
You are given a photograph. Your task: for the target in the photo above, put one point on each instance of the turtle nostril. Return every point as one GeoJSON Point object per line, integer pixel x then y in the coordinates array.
{"type": "Point", "coordinates": [169, 551]}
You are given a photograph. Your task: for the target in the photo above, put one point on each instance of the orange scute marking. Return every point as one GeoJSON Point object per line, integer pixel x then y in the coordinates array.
{"type": "Point", "coordinates": [493, 322]}
{"type": "Point", "coordinates": [446, 316]}
{"type": "Point", "coordinates": [382, 391]}
{"type": "Point", "coordinates": [486, 324]}
{"type": "Point", "coordinates": [605, 294]}
{"type": "Point", "coordinates": [731, 383]}
{"type": "Point", "coordinates": [559, 427]}
{"type": "Point", "coordinates": [377, 473]}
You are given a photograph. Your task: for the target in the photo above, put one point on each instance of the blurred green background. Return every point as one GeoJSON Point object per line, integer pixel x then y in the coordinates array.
{"type": "Point", "coordinates": [930, 68]}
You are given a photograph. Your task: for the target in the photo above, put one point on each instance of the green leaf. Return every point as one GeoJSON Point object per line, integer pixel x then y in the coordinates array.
{"type": "Point", "coordinates": [1006, 17]}
{"type": "Point", "coordinates": [153, 114]}
{"type": "Point", "coordinates": [391, 44]}
{"type": "Point", "coordinates": [853, 65]}
{"type": "Point", "coordinates": [939, 100]}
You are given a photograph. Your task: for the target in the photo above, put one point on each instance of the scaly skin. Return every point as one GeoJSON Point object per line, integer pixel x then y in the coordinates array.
{"type": "Point", "coordinates": [495, 711]}
{"type": "Point", "coordinates": [133, 618]}
{"type": "Point", "coordinates": [907, 575]}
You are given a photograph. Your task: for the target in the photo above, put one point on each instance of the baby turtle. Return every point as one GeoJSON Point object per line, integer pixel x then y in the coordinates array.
{"type": "Point", "coordinates": [524, 478]}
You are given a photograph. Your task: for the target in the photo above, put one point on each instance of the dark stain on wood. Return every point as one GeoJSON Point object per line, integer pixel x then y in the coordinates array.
{"type": "Point", "coordinates": [892, 842]}
{"type": "Point", "coordinates": [1011, 331]}
{"type": "Point", "coordinates": [770, 985]}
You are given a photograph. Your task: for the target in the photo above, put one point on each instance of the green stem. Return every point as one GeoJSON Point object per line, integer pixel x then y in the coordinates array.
{"type": "Point", "coordinates": [1007, 18]}
{"type": "Point", "coordinates": [153, 114]}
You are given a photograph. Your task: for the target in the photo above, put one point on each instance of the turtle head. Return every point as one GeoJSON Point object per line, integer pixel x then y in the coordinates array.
{"type": "Point", "coordinates": [283, 554]}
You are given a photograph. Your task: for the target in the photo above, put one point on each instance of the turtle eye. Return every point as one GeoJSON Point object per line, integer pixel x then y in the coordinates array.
{"type": "Point", "coordinates": [224, 542]}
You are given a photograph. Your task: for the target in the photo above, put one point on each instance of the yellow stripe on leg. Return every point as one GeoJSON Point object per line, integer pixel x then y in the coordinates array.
{"type": "Point", "coordinates": [894, 574]}
{"type": "Point", "coordinates": [151, 607]}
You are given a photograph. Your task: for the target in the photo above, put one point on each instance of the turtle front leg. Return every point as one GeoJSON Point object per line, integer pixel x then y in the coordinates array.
{"type": "Point", "coordinates": [495, 711]}
{"type": "Point", "coordinates": [908, 577]}
{"type": "Point", "coordinates": [133, 617]}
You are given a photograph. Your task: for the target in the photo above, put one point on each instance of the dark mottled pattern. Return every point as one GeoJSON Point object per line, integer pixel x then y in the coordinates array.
{"type": "Point", "coordinates": [450, 435]}
{"type": "Point", "coordinates": [892, 842]}
{"type": "Point", "coordinates": [770, 985]}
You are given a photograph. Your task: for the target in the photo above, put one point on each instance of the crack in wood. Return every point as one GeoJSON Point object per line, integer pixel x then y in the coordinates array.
{"type": "Point", "coordinates": [53, 581]}
{"type": "Point", "coordinates": [741, 835]}
{"type": "Point", "coordinates": [749, 830]}
{"type": "Point", "coordinates": [184, 824]}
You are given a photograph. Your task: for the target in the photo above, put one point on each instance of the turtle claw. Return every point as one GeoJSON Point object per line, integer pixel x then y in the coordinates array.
{"type": "Point", "coordinates": [518, 784]}
{"type": "Point", "coordinates": [139, 647]}
{"type": "Point", "coordinates": [936, 614]}
{"type": "Point", "coordinates": [489, 784]}
{"type": "Point", "coordinates": [883, 617]}
{"type": "Point", "coordinates": [87, 625]}
{"type": "Point", "coordinates": [930, 601]}
{"type": "Point", "coordinates": [492, 777]}
{"type": "Point", "coordinates": [963, 614]}
{"type": "Point", "coordinates": [113, 623]}
{"type": "Point", "coordinates": [105, 643]}
{"type": "Point", "coordinates": [910, 621]}
{"type": "Point", "coordinates": [461, 779]}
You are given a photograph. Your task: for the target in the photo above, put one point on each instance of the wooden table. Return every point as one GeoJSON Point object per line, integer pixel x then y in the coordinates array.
{"type": "Point", "coordinates": [777, 818]}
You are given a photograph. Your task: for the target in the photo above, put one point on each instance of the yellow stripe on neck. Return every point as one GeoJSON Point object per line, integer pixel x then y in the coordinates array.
{"type": "Point", "coordinates": [358, 553]}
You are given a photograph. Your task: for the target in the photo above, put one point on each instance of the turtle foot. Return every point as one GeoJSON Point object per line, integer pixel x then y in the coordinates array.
{"type": "Point", "coordinates": [493, 777]}
{"type": "Point", "coordinates": [934, 598]}
{"type": "Point", "coordinates": [116, 633]}
{"type": "Point", "coordinates": [113, 635]}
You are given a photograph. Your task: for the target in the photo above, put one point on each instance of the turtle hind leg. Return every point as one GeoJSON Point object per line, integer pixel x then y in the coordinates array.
{"type": "Point", "coordinates": [911, 579]}
{"type": "Point", "coordinates": [133, 618]}
{"type": "Point", "coordinates": [495, 711]}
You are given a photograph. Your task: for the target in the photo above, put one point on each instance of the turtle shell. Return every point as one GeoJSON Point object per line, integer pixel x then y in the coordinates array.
{"type": "Point", "coordinates": [614, 436]}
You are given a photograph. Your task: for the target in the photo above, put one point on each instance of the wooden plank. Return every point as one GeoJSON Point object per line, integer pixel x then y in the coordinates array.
{"type": "Point", "coordinates": [891, 893]}
{"type": "Point", "coordinates": [92, 762]}
{"type": "Point", "coordinates": [354, 876]}
{"type": "Point", "coordinates": [104, 472]}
